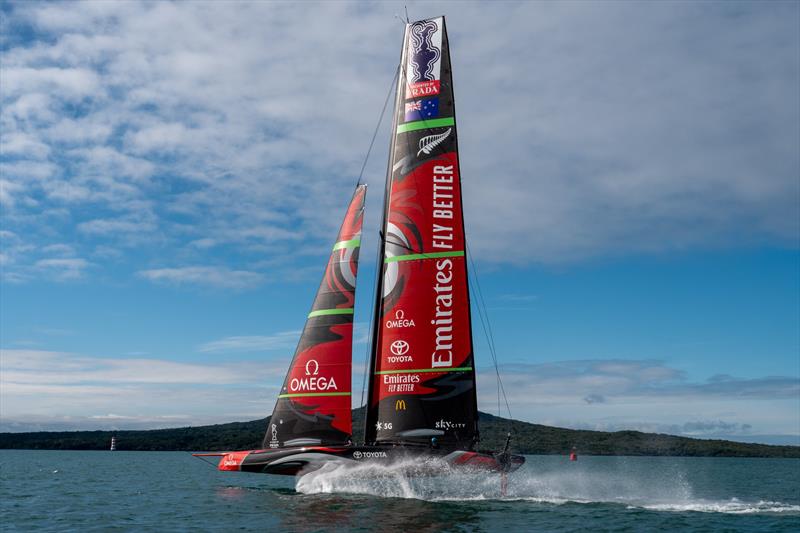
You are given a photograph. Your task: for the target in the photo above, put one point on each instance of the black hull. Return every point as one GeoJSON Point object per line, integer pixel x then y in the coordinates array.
{"type": "Point", "coordinates": [419, 460]}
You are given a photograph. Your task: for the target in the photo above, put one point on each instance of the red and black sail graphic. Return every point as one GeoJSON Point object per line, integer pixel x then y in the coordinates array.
{"type": "Point", "coordinates": [314, 404]}
{"type": "Point", "coordinates": [422, 381]}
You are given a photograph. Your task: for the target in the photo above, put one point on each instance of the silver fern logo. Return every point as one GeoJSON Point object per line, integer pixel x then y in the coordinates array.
{"type": "Point", "coordinates": [428, 143]}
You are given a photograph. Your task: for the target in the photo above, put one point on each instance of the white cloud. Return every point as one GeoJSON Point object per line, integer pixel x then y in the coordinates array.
{"type": "Point", "coordinates": [20, 173]}
{"type": "Point", "coordinates": [70, 83]}
{"type": "Point", "coordinates": [23, 145]}
{"type": "Point", "coordinates": [63, 269]}
{"type": "Point", "coordinates": [116, 226]}
{"type": "Point", "coordinates": [204, 275]}
{"type": "Point", "coordinates": [57, 389]}
{"type": "Point", "coordinates": [663, 128]}
{"type": "Point", "coordinates": [645, 395]}
{"type": "Point", "coordinates": [78, 131]}
{"type": "Point", "coordinates": [7, 191]}
{"type": "Point", "coordinates": [42, 368]}
{"type": "Point", "coordinates": [285, 340]}
{"type": "Point", "coordinates": [60, 249]}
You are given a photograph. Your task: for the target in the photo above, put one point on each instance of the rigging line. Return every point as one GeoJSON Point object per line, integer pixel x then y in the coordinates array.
{"type": "Point", "coordinates": [491, 338]}
{"type": "Point", "coordinates": [488, 344]}
{"type": "Point", "coordinates": [378, 126]}
{"type": "Point", "coordinates": [492, 353]}
{"type": "Point", "coordinates": [500, 386]}
{"type": "Point", "coordinates": [209, 463]}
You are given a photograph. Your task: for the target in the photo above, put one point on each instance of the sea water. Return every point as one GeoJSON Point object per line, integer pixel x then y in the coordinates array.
{"type": "Point", "coordinates": [172, 491]}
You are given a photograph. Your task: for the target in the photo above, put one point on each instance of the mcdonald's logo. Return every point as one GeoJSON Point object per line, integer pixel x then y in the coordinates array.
{"type": "Point", "coordinates": [400, 405]}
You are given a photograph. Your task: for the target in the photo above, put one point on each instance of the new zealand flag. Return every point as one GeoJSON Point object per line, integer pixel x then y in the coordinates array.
{"type": "Point", "coordinates": [422, 109]}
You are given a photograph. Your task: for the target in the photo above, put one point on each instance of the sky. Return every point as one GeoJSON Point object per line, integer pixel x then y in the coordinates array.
{"type": "Point", "coordinates": [172, 176]}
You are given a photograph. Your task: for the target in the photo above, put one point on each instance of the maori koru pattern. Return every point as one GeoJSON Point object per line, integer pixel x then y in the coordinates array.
{"type": "Point", "coordinates": [423, 54]}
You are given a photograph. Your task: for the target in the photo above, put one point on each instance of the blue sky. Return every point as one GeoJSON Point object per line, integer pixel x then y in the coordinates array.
{"type": "Point", "coordinates": [172, 176]}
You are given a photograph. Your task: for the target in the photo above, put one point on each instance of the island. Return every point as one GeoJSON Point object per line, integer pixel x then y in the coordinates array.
{"type": "Point", "coordinates": [527, 438]}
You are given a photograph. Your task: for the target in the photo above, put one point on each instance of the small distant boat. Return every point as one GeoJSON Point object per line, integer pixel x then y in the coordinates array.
{"type": "Point", "coordinates": [113, 444]}
{"type": "Point", "coordinates": [422, 402]}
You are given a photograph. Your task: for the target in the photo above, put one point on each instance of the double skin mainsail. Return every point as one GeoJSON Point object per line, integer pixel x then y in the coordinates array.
{"type": "Point", "coordinates": [422, 398]}
{"type": "Point", "coordinates": [422, 374]}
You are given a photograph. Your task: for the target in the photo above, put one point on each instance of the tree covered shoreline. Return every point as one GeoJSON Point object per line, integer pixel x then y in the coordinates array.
{"type": "Point", "coordinates": [527, 438]}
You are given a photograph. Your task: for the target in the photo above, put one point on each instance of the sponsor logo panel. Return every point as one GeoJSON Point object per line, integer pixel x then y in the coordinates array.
{"type": "Point", "coordinates": [231, 461]}
{"type": "Point", "coordinates": [421, 146]}
{"type": "Point", "coordinates": [430, 317]}
{"type": "Point", "coordinates": [441, 338]}
{"type": "Point", "coordinates": [399, 320]}
{"type": "Point", "coordinates": [423, 67]}
{"type": "Point", "coordinates": [273, 440]}
{"type": "Point", "coordinates": [448, 424]}
{"type": "Point", "coordinates": [357, 455]}
{"type": "Point", "coordinates": [399, 347]}
{"type": "Point", "coordinates": [320, 380]}
{"type": "Point", "coordinates": [312, 382]}
{"type": "Point", "coordinates": [429, 142]}
{"type": "Point", "coordinates": [429, 199]}
{"type": "Point", "coordinates": [422, 109]}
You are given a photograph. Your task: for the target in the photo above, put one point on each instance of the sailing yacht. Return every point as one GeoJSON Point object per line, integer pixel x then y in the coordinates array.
{"type": "Point", "coordinates": [422, 401]}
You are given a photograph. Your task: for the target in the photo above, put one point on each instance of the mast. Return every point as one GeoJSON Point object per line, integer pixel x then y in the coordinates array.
{"type": "Point", "coordinates": [314, 405]}
{"type": "Point", "coordinates": [369, 412]}
{"type": "Point", "coordinates": [422, 377]}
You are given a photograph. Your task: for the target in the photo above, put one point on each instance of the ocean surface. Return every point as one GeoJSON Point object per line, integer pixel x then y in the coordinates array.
{"type": "Point", "coordinates": [172, 491]}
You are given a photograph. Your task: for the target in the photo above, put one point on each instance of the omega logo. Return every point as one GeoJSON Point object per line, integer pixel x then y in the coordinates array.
{"type": "Point", "coordinates": [315, 366]}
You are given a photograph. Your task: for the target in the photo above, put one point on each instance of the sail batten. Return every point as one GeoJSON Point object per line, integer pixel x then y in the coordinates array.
{"type": "Point", "coordinates": [422, 378]}
{"type": "Point", "coordinates": [315, 401]}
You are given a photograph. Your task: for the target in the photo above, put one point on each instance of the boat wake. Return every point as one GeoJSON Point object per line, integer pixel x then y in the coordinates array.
{"type": "Point", "coordinates": [732, 506]}
{"type": "Point", "coordinates": [671, 493]}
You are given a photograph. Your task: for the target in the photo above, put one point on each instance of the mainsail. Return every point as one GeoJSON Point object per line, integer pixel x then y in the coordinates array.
{"type": "Point", "coordinates": [422, 379]}
{"type": "Point", "coordinates": [314, 404]}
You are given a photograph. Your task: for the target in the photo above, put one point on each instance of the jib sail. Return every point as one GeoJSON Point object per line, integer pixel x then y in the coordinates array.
{"type": "Point", "coordinates": [422, 381]}
{"type": "Point", "coordinates": [314, 404]}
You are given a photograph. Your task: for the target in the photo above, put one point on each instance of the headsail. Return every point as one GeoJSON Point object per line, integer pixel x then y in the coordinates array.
{"type": "Point", "coordinates": [314, 404]}
{"type": "Point", "coordinates": [422, 376]}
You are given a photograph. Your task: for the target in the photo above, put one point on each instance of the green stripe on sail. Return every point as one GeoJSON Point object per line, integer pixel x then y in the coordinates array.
{"type": "Point", "coordinates": [425, 124]}
{"type": "Point", "coordinates": [352, 243]}
{"type": "Point", "coordinates": [420, 370]}
{"type": "Point", "coordinates": [309, 394]}
{"type": "Point", "coordinates": [414, 257]}
{"type": "Point", "coordinates": [324, 312]}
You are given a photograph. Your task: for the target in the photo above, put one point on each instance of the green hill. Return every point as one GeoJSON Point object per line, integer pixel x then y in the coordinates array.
{"type": "Point", "coordinates": [528, 439]}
